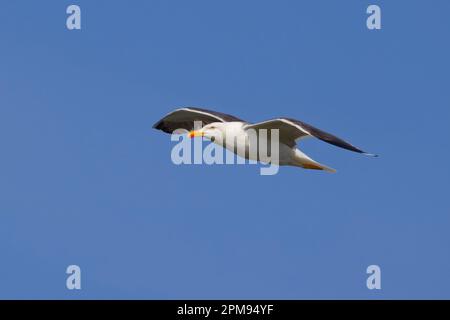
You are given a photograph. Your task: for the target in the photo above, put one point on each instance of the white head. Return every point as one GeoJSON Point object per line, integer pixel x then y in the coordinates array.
{"type": "Point", "coordinates": [214, 131]}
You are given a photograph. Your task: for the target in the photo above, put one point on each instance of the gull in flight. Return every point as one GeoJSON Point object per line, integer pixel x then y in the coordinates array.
{"type": "Point", "coordinates": [222, 128]}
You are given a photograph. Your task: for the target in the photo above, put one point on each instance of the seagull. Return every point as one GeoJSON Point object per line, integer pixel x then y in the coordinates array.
{"type": "Point", "coordinates": [221, 128]}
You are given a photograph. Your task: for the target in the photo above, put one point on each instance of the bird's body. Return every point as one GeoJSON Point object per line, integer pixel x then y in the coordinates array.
{"type": "Point", "coordinates": [237, 140]}
{"type": "Point", "coordinates": [246, 139]}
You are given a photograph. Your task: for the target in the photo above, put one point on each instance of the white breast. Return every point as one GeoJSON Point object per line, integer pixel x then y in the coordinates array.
{"type": "Point", "coordinates": [238, 141]}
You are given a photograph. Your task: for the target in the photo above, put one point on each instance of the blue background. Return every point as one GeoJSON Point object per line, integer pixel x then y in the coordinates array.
{"type": "Point", "coordinates": [85, 180]}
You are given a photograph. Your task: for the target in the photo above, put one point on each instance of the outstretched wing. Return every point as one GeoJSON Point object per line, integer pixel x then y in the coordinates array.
{"type": "Point", "coordinates": [184, 118]}
{"type": "Point", "coordinates": [290, 130]}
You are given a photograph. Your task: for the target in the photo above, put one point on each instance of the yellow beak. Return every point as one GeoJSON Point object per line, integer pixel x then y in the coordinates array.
{"type": "Point", "coordinates": [196, 133]}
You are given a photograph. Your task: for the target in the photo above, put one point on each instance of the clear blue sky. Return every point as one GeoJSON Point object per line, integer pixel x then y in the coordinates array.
{"type": "Point", "coordinates": [86, 181]}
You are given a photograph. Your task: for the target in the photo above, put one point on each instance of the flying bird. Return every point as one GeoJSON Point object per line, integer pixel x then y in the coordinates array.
{"type": "Point", "coordinates": [222, 128]}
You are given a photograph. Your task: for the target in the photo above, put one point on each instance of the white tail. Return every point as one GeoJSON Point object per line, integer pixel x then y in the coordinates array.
{"type": "Point", "coordinates": [303, 161]}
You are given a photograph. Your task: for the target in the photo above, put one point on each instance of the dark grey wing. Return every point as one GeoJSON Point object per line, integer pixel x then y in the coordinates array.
{"type": "Point", "coordinates": [327, 137]}
{"type": "Point", "coordinates": [290, 130]}
{"type": "Point", "coordinates": [184, 118]}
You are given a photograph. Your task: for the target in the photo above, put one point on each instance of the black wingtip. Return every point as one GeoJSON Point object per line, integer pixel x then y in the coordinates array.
{"type": "Point", "coordinates": [157, 125]}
